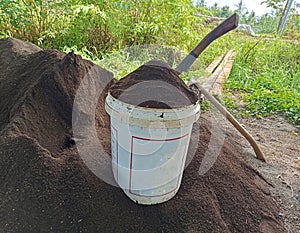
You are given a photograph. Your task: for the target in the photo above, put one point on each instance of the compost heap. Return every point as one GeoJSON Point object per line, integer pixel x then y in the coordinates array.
{"type": "Point", "coordinates": [154, 85]}
{"type": "Point", "coordinates": [46, 187]}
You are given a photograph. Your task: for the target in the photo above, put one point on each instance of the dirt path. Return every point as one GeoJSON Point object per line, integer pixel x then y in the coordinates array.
{"type": "Point", "coordinates": [280, 142]}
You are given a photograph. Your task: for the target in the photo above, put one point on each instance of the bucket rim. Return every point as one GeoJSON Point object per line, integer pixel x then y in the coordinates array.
{"type": "Point", "coordinates": [151, 117]}
{"type": "Point", "coordinates": [151, 109]}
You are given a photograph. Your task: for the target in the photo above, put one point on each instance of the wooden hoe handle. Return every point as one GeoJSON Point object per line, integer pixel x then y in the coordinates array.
{"type": "Point", "coordinates": [233, 121]}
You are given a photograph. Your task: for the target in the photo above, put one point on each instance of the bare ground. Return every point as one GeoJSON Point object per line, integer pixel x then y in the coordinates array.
{"type": "Point", "coordinates": [279, 142]}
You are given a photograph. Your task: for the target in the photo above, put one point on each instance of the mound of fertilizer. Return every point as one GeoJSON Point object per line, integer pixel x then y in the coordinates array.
{"type": "Point", "coordinates": [46, 187]}
{"type": "Point", "coordinates": [154, 85]}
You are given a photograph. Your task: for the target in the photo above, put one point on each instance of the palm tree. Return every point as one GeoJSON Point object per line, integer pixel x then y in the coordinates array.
{"type": "Point", "coordinates": [225, 12]}
{"type": "Point", "coordinates": [241, 8]}
{"type": "Point", "coordinates": [201, 3]}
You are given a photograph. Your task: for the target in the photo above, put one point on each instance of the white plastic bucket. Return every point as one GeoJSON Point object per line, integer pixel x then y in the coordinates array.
{"type": "Point", "coordinates": [149, 148]}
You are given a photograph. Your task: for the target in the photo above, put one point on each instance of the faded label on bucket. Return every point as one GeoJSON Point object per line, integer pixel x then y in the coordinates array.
{"type": "Point", "coordinates": [162, 168]}
{"type": "Point", "coordinates": [148, 162]}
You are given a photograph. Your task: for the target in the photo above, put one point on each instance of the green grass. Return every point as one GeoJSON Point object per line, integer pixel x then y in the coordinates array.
{"type": "Point", "coordinates": [266, 75]}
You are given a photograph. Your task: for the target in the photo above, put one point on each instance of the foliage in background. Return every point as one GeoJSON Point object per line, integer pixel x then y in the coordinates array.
{"type": "Point", "coordinates": [265, 24]}
{"type": "Point", "coordinates": [266, 75]}
{"type": "Point", "coordinates": [100, 26]}
{"type": "Point", "coordinates": [105, 26]}
{"type": "Point", "coordinates": [33, 20]}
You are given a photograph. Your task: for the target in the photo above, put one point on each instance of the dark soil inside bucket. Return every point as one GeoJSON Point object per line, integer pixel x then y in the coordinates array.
{"type": "Point", "coordinates": [154, 85]}
{"type": "Point", "coordinates": [46, 187]}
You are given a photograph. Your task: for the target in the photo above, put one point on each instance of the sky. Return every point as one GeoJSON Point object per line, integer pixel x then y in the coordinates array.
{"type": "Point", "coordinates": [249, 4]}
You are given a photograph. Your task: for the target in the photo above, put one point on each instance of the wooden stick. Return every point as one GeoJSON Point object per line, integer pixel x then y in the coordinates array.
{"type": "Point", "coordinates": [233, 121]}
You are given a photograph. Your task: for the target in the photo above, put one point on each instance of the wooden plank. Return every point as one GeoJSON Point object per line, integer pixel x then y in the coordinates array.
{"type": "Point", "coordinates": [209, 83]}
{"type": "Point", "coordinates": [218, 72]}
{"type": "Point", "coordinates": [210, 70]}
{"type": "Point", "coordinates": [225, 69]}
{"type": "Point", "coordinates": [209, 80]}
{"type": "Point", "coordinates": [212, 67]}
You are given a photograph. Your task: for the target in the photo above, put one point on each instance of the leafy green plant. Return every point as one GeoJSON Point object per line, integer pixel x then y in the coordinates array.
{"type": "Point", "coordinates": [267, 74]}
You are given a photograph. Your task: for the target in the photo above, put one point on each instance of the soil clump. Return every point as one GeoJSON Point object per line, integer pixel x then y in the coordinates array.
{"type": "Point", "coordinates": [154, 85]}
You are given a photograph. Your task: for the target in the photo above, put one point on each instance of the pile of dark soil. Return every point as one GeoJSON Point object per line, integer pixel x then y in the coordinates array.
{"type": "Point", "coordinates": [154, 85]}
{"type": "Point", "coordinates": [46, 187]}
